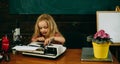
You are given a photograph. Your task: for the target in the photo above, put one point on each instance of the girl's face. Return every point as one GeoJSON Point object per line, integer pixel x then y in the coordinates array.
{"type": "Point", "coordinates": [43, 27]}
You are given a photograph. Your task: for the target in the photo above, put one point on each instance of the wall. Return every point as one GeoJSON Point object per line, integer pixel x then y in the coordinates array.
{"type": "Point", "coordinates": [60, 6]}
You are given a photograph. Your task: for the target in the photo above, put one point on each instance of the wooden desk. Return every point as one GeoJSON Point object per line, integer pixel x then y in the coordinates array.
{"type": "Point", "coordinates": [115, 48]}
{"type": "Point", "coordinates": [71, 56]}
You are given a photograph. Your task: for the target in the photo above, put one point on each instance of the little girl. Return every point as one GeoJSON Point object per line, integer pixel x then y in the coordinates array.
{"type": "Point", "coordinates": [47, 31]}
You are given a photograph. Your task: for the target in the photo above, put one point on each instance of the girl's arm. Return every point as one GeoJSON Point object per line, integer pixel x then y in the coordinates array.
{"type": "Point", "coordinates": [34, 39]}
{"type": "Point", "coordinates": [55, 39]}
{"type": "Point", "coordinates": [59, 39]}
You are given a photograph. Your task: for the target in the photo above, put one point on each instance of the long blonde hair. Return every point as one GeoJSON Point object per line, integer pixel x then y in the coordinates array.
{"type": "Point", "coordinates": [52, 27]}
{"type": "Point", "coordinates": [117, 8]}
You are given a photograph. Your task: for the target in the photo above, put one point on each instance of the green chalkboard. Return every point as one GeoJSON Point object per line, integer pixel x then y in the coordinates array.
{"type": "Point", "coordinates": [61, 6]}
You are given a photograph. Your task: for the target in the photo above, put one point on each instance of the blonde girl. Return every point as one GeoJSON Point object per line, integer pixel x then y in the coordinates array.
{"type": "Point", "coordinates": [47, 31]}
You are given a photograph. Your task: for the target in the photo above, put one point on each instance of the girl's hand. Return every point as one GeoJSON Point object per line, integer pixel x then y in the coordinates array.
{"type": "Point", "coordinates": [41, 39]}
{"type": "Point", "coordinates": [48, 41]}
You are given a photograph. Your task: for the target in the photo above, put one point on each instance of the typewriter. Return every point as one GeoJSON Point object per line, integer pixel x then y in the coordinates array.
{"type": "Point", "coordinates": [38, 49]}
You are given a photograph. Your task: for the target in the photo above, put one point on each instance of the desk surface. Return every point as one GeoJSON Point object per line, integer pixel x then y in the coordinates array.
{"type": "Point", "coordinates": [71, 56]}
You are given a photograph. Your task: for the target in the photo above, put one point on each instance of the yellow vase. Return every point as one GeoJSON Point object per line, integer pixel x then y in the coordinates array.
{"type": "Point", "coordinates": [100, 50]}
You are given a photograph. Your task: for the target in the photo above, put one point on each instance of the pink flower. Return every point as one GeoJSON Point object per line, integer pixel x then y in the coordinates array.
{"type": "Point", "coordinates": [105, 36]}
{"type": "Point", "coordinates": [101, 34]}
{"type": "Point", "coordinates": [101, 37]}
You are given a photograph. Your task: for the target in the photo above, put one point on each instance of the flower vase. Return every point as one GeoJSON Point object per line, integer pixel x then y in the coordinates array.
{"type": "Point", "coordinates": [100, 50]}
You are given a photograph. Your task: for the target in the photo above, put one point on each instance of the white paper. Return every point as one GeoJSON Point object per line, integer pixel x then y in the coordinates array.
{"type": "Point", "coordinates": [24, 48]}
